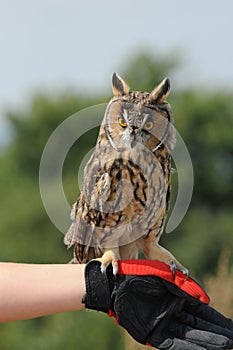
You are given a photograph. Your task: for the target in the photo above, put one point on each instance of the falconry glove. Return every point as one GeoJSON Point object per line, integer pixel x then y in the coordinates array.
{"type": "Point", "coordinates": [156, 308]}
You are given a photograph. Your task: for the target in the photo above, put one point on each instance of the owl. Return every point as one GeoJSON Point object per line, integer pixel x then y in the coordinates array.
{"type": "Point", "coordinates": [124, 199]}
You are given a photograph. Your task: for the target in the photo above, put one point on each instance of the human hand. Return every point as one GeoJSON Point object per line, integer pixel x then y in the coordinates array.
{"type": "Point", "coordinates": [161, 312]}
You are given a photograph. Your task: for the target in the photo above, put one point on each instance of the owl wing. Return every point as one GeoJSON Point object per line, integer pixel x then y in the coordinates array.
{"type": "Point", "coordinates": [102, 192]}
{"type": "Point", "coordinates": [87, 213]}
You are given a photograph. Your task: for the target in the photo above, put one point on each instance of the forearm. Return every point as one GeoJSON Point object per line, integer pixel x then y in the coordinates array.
{"type": "Point", "coordinates": [33, 290]}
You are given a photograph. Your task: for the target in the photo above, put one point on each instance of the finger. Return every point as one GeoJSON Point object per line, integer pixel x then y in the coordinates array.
{"type": "Point", "coordinates": [209, 314]}
{"type": "Point", "coordinates": [176, 344]}
{"type": "Point", "coordinates": [208, 339]}
{"type": "Point", "coordinates": [200, 324]}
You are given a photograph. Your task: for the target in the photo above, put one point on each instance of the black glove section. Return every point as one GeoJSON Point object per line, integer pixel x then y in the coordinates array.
{"type": "Point", "coordinates": [157, 312]}
{"type": "Point", "coordinates": [99, 287]}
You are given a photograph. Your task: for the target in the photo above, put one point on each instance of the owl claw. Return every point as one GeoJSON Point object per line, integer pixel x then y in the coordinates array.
{"type": "Point", "coordinates": [107, 259]}
{"type": "Point", "coordinates": [174, 267]}
{"type": "Point", "coordinates": [115, 269]}
{"type": "Point", "coordinates": [103, 267]}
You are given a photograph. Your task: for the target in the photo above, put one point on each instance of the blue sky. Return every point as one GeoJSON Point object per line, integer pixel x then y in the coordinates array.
{"type": "Point", "coordinates": [51, 45]}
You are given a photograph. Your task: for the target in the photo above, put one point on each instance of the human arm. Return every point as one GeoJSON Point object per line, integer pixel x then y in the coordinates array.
{"type": "Point", "coordinates": [33, 290]}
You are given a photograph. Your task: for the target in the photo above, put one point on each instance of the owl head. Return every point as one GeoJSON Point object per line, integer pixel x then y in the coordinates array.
{"type": "Point", "coordinates": [136, 119]}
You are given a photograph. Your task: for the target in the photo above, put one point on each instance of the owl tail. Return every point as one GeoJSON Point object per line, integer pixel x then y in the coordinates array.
{"type": "Point", "coordinates": [69, 238]}
{"type": "Point", "coordinates": [80, 236]}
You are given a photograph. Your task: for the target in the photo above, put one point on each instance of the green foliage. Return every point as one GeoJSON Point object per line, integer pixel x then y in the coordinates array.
{"type": "Point", "coordinates": [205, 123]}
{"type": "Point", "coordinates": [203, 119]}
{"type": "Point", "coordinates": [144, 71]}
{"type": "Point", "coordinates": [33, 128]}
{"type": "Point", "coordinates": [83, 330]}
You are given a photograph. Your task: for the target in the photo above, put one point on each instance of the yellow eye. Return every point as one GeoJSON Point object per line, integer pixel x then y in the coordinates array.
{"type": "Point", "coordinates": [122, 122]}
{"type": "Point", "coordinates": [148, 125]}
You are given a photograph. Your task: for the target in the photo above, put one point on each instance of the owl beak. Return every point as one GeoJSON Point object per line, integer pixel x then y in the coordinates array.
{"type": "Point", "coordinates": [134, 138]}
{"type": "Point", "coordinates": [133, 143]}
{"type": "Point", "coordinates": [134, 130]}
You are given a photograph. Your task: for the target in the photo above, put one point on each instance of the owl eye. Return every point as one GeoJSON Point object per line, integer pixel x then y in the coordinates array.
{"type": "Point", "coordinates": [148, 125]}
{"type": "Point", "coordinates": [122, 122]}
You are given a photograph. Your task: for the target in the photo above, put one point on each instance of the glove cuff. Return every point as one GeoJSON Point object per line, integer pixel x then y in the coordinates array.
{"type": "Point", "coordinates": [98, 287]}
{"type": "Point", "coordinates": [157, 268]}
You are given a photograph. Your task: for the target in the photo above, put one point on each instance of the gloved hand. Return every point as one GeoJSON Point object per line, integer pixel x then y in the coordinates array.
{"type": "Point", "coordinates": [165, 313]}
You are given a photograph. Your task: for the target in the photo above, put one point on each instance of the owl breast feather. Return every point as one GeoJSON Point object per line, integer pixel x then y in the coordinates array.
{"type": "Point", "coordinates": [122, 192]}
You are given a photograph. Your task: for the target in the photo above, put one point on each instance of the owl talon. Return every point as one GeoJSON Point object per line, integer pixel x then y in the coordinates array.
{"type": "Point", "coordinates": [114, 264]}
{"type": "Point", "coordinates": [175, 267]}
{"type": "Point", "coordinates": [115, 268]}
{"type": "Point", "coordinates": [184, 271]}
{"type": "Point", "coordinates": [107, 259]}
{"type": "Point", "coordinates": [103, 268]}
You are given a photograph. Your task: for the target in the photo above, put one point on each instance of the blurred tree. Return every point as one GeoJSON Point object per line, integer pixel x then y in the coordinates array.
{"type": "Point", "coordinates": [204, 120]}
{"type": "Point", "coordinates": [33, 128]}
{"type": "Point", "coordinates": [220, 285]}
{"type": "Point", "coordinates": [146, 70]}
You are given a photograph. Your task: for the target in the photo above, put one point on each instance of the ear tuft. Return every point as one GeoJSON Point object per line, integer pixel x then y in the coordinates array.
{"type": "Point", "coordinates": [161, 92]}
{"type": "Point", "coordinates": [119, 87]}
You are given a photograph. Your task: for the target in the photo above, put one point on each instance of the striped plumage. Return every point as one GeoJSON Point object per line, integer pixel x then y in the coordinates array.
{"type": "Point", "coordinates": [124, 199]}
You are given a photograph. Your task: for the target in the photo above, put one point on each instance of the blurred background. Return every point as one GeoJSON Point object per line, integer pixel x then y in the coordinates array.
{"type": "Point", "coordinates": [57, 57]}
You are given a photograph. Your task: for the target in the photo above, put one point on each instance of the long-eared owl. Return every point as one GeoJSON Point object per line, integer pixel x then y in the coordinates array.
{"type": "Point", "coordinates": [125, 195]}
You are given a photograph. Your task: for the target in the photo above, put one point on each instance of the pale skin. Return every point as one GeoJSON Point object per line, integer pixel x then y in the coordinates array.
{"type": "Point", "coordinates": [34, 290]}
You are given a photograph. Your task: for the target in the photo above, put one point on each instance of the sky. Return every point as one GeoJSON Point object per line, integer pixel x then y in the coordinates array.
{"type": "Point", "coordinates": [54, 45]}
